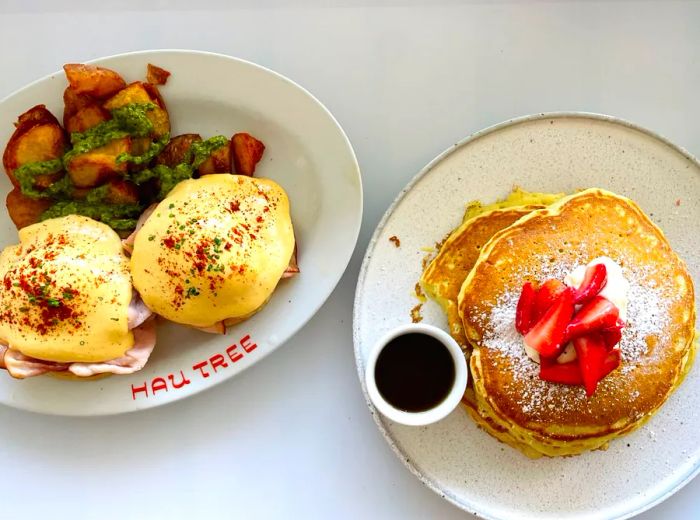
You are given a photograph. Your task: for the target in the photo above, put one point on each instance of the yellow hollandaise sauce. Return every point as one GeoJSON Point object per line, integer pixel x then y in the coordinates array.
{"type": "Point", "coordinates": [214, 248]}
{"type": "Point", "coordinates": [66, 292]}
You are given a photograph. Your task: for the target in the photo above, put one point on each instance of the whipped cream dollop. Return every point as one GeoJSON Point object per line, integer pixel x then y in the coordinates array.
{"type": "Point", "coordinates": [615, 291]}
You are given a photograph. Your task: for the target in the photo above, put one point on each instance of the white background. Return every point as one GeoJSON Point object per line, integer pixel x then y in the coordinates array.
{"type": "Point", "coordinates": [292, 436]}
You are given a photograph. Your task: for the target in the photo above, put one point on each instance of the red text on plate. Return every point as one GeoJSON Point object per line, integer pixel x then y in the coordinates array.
{"type": "Point", "coordinates": [205, 368]}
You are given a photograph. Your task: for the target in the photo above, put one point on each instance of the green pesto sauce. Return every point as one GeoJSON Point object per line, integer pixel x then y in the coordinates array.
{"type": "Point", "coordinates": [61, 189]}
{"type": "Point", "coordinates": [153, 150]}
{"type": "Point", "coordinates": [169, 176]}
{"type": "Point", "coordinates": [119, 217]}
{"type": "Point", "coordinates": [129, 120]}
{"type": "Point", "coordinates": [201, 150]}
{"type": "Point", "coordinates": [27, 173]}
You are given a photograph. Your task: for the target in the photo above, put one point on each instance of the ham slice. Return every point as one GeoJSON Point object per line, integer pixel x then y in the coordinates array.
{"type": "Point", "coordinates": [217, 328]}
{"type": "Point", "coordinates": [133, 359]}
{"type": "Point", "coordinates": [141, 321]}
{"type": "Point", "coordinates": [21, 366]}
{"type": "Point", "coordinates": [137, 312]}
{"type": "Point", "coordinates": [293, 267]}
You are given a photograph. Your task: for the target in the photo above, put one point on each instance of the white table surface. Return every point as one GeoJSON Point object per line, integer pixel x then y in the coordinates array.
{"type": "Point", "coordinates": [292, 436]}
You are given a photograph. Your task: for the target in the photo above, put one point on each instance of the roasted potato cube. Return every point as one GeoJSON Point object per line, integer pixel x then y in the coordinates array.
{"type": "Point", "coordinates": [86, 117]}
{"type": "Point", "coordinates": [24, 210]}
{"type": "Point", "coordinates": [218, 162]}
{"type": "Point", "coordinates": [37, 115]}
{"type": "Point", "coordinates": [247, 152]}
{"type": "Point", "coordinates": [175, 152]}
{"type": "Point", "coordinates": [38, 137]}
{"type": "Point", "coordinates": [41, 182]}
{"type": "Point", "coordinates": [132, 93]}
{"type": "Point", "coordinates": [154, 93]}
{"type": "Point", "coordinates": [99, 165]}
{"type": "Point", "coordinates": [122, 192]}
{"type": "Point", "coordinates": [73, 102]}
{"type": "Point", "coordinates": [139, 92]}
{"type": "Point", "coordinates": [157, 76]}
{"type": "Point", "coordinates": [140, 145]}
{"type": "Point", "coordinates": [92, 80]}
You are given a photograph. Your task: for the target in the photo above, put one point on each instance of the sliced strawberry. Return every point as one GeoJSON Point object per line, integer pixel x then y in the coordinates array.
{"type": "Point", "coordinates": [547, 335]}
{"type": "Point", "coordinates": [563, 373]}
{"type": "Point", "coordinates": [593, 282]}
{"type": "Point", "coordinates": [612, 361]}
{"type": "Point", "coordinates": [546, 296]}
{"type": "Point", "coordinates": [591, 352]}
{"type": "Point", "coordinates": [613, 335]}
{"type": "Point", "coordinates": [525, 311]}
{"type": "Point", "coordinates": [596, 315]}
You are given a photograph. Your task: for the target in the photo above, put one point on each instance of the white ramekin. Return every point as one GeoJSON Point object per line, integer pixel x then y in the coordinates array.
{"type": "Point", "coordinates": [441, 410]}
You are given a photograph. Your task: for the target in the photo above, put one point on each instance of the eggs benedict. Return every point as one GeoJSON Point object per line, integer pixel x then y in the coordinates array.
{"type": "Point", "coordinates": [68, 305]}
{"type": "Point", "coordinates": [213, 251]}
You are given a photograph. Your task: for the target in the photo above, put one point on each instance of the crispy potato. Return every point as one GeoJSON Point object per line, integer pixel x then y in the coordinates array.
{"type": "Point", "coordinates": [24, 210]}
{"type": "Point", "coordinates": [41, 182]}
{"type": "Point", "coordinates": [38, 137]}
{"type": "Point", "coordinates": [92, 80]}
{"type": "Point", "coordinates": [37, 115]}
{"type": "Point", "coordinates": [122, 192]}
{"type": "Point", "coordinates": [154, 93]}
{"type": "Point", "coordinates": [247, 152]}
{"type": "Point", "coordinates": [176, 150]}
{"type": "Point", "coordinates": [132, 93]}
{"type": "Point", "coordinates": [139, 92]}
{"type": "Point", "coordinates": [119, 191]}
{"type": "Point", "coordinates": [159, 117]}
{"type": "Point", "coordinates": [86, 117]}
{"type": "Point", "coordinates": [157, 76]}
{"type": "Point", "coordinates": [140, 145]}
{"type": "Point", "coordinates": [99, 165]}
{"type": "Point", "coordinates": [72, 102]}
{"type": "Point", "coordinates": [218, 162]}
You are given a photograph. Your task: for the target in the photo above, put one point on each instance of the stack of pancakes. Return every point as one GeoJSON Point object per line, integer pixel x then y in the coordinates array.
{"type": "Point", "coordinates": [477, 277]}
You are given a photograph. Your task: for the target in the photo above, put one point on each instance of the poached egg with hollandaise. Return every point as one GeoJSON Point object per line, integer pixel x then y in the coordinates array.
{"type": "Point", "coordinates": [212, 252]}
{"type": "Point", "coordinates": [68, 304]}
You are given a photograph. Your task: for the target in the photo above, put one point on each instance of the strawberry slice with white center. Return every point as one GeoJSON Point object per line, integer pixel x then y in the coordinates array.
{"type": "Point", "coordinates": [591, 351]}
{"type": "Point", "coordinates": [548, 334]}
{"type": "Point", "coordinates": [549, 293]}
{"type": "Point", "coordinates": [598, 314]}
{"type": "Point", "coordinates": [525, 311]}
{"type": "Point", "coordinates": [593, 282]}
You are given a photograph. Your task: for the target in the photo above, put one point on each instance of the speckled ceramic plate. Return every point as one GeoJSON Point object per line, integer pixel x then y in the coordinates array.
{"type": "Point", "coordinates": [306, 152]}
{"type": "Point", "coordinates": [554, 153]}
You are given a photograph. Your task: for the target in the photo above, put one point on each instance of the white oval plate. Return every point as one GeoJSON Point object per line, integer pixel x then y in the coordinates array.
{"type": "Point", "coordinates": [554, 153]}
{"type": "Point", "coordinates": [306, 151]}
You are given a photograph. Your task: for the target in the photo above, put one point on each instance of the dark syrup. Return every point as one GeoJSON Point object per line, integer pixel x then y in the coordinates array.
{"type": "Point", "coordinates": [414, 372]}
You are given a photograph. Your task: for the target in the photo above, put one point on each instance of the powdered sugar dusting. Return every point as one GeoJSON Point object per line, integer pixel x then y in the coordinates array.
{"type": "Point", "coordinates": [648, 319]}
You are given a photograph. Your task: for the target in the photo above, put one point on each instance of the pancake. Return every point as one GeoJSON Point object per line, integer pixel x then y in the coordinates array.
{"type": "Point", "coordinates": [543, 418]}
{"type": "Point", "coordinates": [443, 277]}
